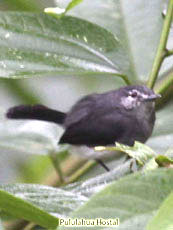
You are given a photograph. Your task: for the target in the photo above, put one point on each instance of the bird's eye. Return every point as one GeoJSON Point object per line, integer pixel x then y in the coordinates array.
{"type": "Point", "coordinates": [134, 93]}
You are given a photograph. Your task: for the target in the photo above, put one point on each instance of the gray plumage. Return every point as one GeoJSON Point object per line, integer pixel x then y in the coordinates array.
{"type": "Point", "coordinates": [122, 115]}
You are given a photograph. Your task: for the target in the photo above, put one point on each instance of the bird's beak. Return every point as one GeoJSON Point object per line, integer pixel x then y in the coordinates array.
{"type": "Point", "coordinates": [152, 97]}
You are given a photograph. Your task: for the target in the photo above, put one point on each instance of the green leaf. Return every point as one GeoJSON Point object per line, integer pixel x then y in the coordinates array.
{"type": "Point", "coordinates": [142, 153]}
{"type": "Point", "coordinates": [164, 161]}
{"type": "Point", "coordinates": [59, 12]}
{"type": "Point", "coordinates": [38, 44]}
{"type": "Point", "coordinates": [35, 169]}
{"type": "Point", "coordinates": [150, 165]}
{"type": "Point", "coordinates": [25, 5]}
{"type": "Point", "coordinates": [137, 26]}
{"type": "Point", "coordinates": [62, 201]}
{"type": "Point", "coordinates": [56, 201]}
{"type": "Point", "coordinates": [24, 210]}
{"type": "Point", "coordinates": [163, 218]}
{"type": "Point", "coordinates": [72, 4]}
{"type": "Point", "coordinates": [133, 199]}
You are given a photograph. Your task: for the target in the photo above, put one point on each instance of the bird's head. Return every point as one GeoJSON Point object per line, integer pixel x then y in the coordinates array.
{"type": "Point", "coordinates": [136, 96]}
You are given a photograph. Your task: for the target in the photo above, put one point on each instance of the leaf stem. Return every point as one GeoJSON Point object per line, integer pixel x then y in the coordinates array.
{"type": "Point", "coordinates": [80, 172]}
{"type": "Point", "coordinates": [125, 78]}
{"type": "Point", "coordinates": [164, 87]}
{"type": "Point", "coordinates": [21, 91]}
{"type": "Point", "coordinates": [161, 51]}
{"type": "Point", "coordinates": [56, 165]}
{"type": "Point", "coordinates": [164, 84]}
{"type": "Point", "coordinates": [29, 226]}
{"type": "Point", "coordinates": [169, 53]}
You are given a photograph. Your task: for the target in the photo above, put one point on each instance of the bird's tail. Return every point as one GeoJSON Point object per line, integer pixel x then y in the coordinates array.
{"type": "Point", "coordinates": [37, 112]}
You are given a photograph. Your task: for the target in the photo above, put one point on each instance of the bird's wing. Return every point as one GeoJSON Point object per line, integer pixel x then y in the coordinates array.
{"type": "Point", "coordinates": [81, 110]}
{"type": "Point", "coordinates": [94, 128]}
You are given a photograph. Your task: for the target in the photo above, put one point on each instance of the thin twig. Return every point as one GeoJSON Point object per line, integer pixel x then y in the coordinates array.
{"type": "Point", "coordinates": [88, 165]}
{"type": "Point", "coordinates": [56, 165]}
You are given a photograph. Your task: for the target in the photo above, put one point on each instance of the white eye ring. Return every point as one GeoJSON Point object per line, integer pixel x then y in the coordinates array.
{"type": "Point", "coordinates": [133, 93]}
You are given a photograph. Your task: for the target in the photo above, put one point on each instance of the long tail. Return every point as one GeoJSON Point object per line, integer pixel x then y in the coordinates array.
{"type": "Point", "coordinates": [37, 112]}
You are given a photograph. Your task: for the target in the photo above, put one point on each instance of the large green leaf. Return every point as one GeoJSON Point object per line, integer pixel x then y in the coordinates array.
{"type": "Point", "coordinates": [38, 44]}
{"type": "Point", "coordinates": [134, 199]}
{"type": "Point", "coordinates": [24, 210]}
{"type": "Point", "coordinates": [56, 201]}
{"type": "Point", "coordinates": [86, 40]}
{"type": "Point", "coordinates": [164, 216]}
{"type": "Point", "coordinates": [62, 201]}
{"type": "Point", "coordinates": [136, 25]}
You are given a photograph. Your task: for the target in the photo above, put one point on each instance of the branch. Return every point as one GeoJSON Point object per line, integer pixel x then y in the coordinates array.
{"type": "Point", "coordinates": [168, 53]}
{"type": "Point", "coordinates": [165, 87]}
{"type": "Point", "coordinates": [164, 84]}
{"type": "Point", "coordinates": [161, 51]}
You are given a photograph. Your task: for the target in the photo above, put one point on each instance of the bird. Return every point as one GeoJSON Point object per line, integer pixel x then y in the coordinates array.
{"type": "Point", "coordinates": [124, 115]}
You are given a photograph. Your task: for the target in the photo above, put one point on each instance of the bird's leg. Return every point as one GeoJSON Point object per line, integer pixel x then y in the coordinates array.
{"type": "Point", "coordinates": [99, 160]}
{"type": "Point", "coordinates": [102, 164]}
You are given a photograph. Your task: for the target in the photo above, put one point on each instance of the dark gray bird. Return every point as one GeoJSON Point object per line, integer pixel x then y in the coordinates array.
{"type": "Point", "coordinates": [122, 115]}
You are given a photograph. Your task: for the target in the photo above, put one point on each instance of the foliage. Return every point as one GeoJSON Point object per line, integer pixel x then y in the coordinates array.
{"type": "Point", "coordinates": [130, 42]}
